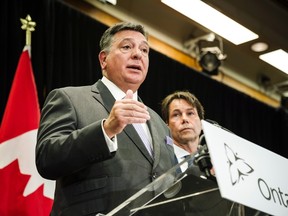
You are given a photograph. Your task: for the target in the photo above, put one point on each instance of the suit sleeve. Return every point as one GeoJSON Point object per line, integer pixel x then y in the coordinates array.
{"type": "Point", "coordinates": [62, 147]}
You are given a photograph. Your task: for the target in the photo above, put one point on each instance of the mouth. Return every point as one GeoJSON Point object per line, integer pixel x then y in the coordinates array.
{"type": "Point", "coordinates": [135, 67]}
{"type": "Point", "coordinates": [186, 129]}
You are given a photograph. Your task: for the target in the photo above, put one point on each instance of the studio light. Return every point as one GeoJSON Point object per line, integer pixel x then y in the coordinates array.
{"type": "Point", "coordinates": [208, 50]}
{"type": "Point", "coordinates": [210, 63]}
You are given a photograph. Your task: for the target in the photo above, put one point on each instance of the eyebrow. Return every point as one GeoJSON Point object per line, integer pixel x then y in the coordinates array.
{"type": "Point", "coordinates": [132, 39]}
{"type": "Point", "coordinates": [185, 110]}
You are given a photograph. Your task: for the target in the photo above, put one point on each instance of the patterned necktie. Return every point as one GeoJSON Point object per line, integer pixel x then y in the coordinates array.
{"type": "Point", "coordinates": [144, 138]}
{"type": "Point", "coordinates": [190, 161]}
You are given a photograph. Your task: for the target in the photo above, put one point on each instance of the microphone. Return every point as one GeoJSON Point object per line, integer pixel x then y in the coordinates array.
{"type": "Point", "coordinates": [202, 158]}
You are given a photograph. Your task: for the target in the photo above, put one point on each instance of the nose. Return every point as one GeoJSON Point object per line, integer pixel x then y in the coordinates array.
{"type": "Point", "coordinates": [184, 118]}
{"type": "Point", "coordinates": [136, 53]}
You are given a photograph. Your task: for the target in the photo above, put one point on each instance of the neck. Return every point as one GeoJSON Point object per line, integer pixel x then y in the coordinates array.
{"type": "Point", "coordinates": [190, 147]}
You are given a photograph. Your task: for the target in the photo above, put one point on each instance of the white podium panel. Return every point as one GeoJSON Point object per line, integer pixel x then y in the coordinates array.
{"type": "Point", "coordinates": [247, 173]}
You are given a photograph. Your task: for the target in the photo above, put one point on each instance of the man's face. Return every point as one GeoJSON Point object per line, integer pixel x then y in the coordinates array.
{"type": "Point", "coordinates": [183, 121]}
{"type": "Point", "coordinates": [127, 63]}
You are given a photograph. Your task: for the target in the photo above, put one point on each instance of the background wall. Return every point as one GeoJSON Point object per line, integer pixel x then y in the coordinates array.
{"type": "Point", "coordinates": [65, 52]}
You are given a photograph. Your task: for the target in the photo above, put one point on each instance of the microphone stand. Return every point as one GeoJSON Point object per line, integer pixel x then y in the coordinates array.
{"type": "Point", "coordinates": [203, 160]}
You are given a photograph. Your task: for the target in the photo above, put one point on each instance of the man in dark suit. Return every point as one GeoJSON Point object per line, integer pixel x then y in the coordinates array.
{"type": "Point", "coordinates": [183, 112]}
{"type": "Point", "coordinates": [87, 139]}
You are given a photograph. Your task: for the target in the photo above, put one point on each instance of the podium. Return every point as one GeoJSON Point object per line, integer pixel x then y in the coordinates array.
{"type": "Point", "coordinates": [178, 193]}
{"type": "Point", "coordinates": [241, 186]}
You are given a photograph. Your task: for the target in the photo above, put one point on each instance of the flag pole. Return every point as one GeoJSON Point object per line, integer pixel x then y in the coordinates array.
{"type": "Point", "coordinates": [28, 25]}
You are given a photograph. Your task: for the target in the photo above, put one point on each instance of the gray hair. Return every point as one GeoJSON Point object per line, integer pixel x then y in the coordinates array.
{"type": "Point", "coordinates": [107, 36]}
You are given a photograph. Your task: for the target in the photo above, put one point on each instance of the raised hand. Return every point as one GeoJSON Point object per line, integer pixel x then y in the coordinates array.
{"type": "Point", "coordinates": [123, 112]}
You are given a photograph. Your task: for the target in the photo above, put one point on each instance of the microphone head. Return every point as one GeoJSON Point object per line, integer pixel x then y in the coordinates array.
{"type": "Point", "coordinates": [202, 141]}
{"type": "Point", "coordinates": [202, 146]}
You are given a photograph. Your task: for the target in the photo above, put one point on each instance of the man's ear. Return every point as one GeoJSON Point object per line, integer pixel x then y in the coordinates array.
{"type": "Point", "coordinates": [102, 59]}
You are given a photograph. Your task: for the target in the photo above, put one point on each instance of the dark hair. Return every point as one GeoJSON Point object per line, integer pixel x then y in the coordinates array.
{"type": "Point", "coordinates": [185, 95]}
{"type": "Point", "coordinates": [106, 39]}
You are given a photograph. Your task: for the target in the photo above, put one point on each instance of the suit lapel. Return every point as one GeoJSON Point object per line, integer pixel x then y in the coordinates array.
{"type": "Point", "coordinates": [105, 97]}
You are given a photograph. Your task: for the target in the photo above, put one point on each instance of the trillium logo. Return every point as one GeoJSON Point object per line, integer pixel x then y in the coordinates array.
{"type": "Point", "coordinates": [238, 168]}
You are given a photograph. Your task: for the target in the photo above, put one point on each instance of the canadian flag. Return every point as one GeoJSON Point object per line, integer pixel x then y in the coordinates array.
{"type": "Point", "coordinates": [23, 192]}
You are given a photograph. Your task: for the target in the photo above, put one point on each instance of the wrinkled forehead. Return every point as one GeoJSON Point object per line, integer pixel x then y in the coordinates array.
{"type": "Point", "coordinates": [180, 102]}
{"type": "Point", "coordinates": [130, 36]}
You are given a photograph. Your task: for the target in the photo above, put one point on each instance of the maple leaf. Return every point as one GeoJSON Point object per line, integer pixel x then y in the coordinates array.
{"type": "Point", "coordinates": [22, 148]}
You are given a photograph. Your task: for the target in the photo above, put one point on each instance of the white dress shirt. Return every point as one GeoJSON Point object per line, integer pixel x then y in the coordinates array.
{"type": "Point", "coordinates": [180, 155]}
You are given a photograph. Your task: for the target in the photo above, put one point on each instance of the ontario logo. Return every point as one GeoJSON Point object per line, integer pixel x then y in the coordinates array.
{"type": "Point", "coordinates": [238, 167]}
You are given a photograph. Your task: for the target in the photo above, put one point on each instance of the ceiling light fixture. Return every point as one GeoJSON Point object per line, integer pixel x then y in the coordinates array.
{"type": "Point", "coordinates": [112, 2]}
{"type": "Point", "coordinates": [277, 58]}
{"type": "Point", "coordinates": [213, 20]}
{"type": "Point", "coordinates": [259, 47]}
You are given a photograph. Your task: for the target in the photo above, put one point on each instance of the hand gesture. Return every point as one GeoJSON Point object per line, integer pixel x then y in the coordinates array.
{"type": "Point", "coordinates": [125, 111]}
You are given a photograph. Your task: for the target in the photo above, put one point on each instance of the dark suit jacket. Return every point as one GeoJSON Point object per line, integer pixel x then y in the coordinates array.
{"type": "Point", "coordinates": [71, 149]}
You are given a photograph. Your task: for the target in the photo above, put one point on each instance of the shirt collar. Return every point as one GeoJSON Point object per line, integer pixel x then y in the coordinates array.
{"type": "Point", "coordinates": [180, 152]}
{"type": "Point", "coordinates": [117, 93]}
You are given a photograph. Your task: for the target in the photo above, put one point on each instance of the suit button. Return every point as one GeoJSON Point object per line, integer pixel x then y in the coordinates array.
{"type": "Point", "coordinates": [154, 176]}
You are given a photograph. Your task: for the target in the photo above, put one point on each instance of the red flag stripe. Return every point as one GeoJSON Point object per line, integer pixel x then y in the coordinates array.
{"type": "Point", "coordinates": [20, 184]}
{"type": "Point", "coordinates": [23, 101]}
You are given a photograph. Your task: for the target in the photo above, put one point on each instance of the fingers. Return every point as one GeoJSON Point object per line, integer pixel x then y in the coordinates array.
{"type": "Point", "coordinates": [129, 94]}
{"type": "Point", "coordinates": [124, 112]}
{"type": "Point", "coordinates": [134, 111]}
{"type": "Point", "coordinates": [132, 104]}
